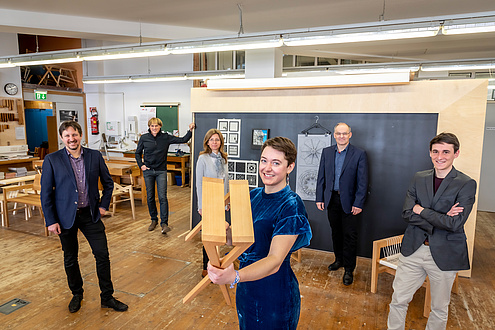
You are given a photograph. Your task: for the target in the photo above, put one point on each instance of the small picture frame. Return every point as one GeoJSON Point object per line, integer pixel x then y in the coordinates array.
{"type": "Point", "coordinates": [225, 137]}
{"type": "Point", "coordinates": [233, 151]}
{"type": "Point", "coordinates": [233, 138]}
{"type": "Point", "coordinates": [233, 126]}
{"type": "Point", "coordinates": [259, 136]}
{"type": "Point", "coordinates": [223, 125]}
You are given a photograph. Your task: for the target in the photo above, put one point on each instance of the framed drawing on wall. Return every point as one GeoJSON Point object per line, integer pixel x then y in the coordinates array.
{"type": "Point", "coordinates": [233, 151]}
{"type": "Point", "coordinates": [259, 136]}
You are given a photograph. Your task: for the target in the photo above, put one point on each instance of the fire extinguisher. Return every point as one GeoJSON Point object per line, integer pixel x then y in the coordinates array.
{"type": "Point", "coordinates": [94, 122]}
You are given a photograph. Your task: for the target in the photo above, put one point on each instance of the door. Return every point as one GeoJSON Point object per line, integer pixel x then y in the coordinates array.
{"type": "Point", "coordinates": [36, 130]}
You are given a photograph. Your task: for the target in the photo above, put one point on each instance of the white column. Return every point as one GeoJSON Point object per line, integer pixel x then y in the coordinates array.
{"type": "Point", "coordinates": [264, 63]}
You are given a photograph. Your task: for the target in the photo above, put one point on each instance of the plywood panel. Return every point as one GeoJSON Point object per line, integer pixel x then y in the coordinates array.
{"type": "Point", "coordinates": [460, 104]}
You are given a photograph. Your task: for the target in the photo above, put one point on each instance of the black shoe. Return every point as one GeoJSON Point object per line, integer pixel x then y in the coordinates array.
{"type": "Point", "coordinates": [348, 278]}
{"type": "Point", "coordinates": [336, 265]}
{"type": "Point", "coordinates": [165, 229]}
{"type": "Point", "coordinates": [115, 304]}
{"type": "Point", "coordinates": [153, 225]}
{"type": "Point", "coordinates": [75, 303]}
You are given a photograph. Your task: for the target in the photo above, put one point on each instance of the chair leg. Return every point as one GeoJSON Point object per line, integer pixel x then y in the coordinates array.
{"type": "Point", "coordinates": [114, 206]}
{"type": "Point", "coordinates": [47, 233]}
{"type": "Point", "coordinates": [455, 287]}
{"type": "Point", "coordinates": [131, 196]}
{"type": "Point", "coordinates": [374, 267]}
{"type": "Point", "coordinates": [1, 212]}
{"type": "Point", "coordinates": [427, 307]}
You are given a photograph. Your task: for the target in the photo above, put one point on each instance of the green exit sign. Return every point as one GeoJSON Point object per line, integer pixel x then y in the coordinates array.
{"type": "Point", "coordinates": [40, 95]}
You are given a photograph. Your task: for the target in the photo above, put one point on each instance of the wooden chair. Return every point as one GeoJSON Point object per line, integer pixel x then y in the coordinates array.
{"type": "Point", "coordinates": [118, 192]}
{"type": "Point", "coordinates": [28, 199]}
{"type": "Point", "coordinates": [390, 249]}
{"type": "Point", "coordinates": [213, 225]}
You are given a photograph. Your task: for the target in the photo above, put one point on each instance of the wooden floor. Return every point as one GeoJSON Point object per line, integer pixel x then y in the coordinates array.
{"type": "Point", "coordinates": [153, 272]}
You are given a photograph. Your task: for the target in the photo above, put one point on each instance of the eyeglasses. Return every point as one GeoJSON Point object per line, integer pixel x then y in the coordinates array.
{"type": "Point", "coordinates": [214, 140]}
{"type": "Point", "coordinates": [342, 134]}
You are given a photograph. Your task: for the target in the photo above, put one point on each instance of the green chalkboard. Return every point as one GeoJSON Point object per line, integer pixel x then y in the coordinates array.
{"type": "Point", "coordinates": [169, 114]}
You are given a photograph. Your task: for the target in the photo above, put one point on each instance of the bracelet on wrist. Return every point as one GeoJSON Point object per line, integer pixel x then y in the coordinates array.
{"type": "Point", "coordinates": [236, 280]}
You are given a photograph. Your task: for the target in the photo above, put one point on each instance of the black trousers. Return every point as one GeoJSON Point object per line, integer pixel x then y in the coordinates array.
{"type": "Point", "coordinates": [97, 239]}
{"type": "Point", "coordinates": [344, 233]}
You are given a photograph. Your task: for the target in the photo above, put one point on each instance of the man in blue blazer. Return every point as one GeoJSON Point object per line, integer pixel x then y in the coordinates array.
{"type": "Point", "coordinates": [71, 201]}
{"type": "Point", "coordinates": [341, 188]}
{"type": "Point", "coordinates": [438, 203]}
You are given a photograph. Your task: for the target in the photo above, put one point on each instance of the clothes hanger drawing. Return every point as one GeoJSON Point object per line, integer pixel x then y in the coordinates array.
{"type": "Point", "coordinates": [316, 125]}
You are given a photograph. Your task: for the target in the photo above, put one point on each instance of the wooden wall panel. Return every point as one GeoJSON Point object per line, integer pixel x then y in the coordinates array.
{"type": "Point", "coordinates": [460, 104]}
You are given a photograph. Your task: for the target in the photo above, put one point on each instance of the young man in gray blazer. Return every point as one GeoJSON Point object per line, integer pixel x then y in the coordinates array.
{"type": "Point", "coordinates": [438, 203]}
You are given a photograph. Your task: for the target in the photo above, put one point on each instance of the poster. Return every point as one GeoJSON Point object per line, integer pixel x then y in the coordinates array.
{"type": "Point", "coordinates": [231, 131]}
{"type": "Point", "coordinates": [145, 113]}
{"type": "Point", "coordinates": [309, 148]}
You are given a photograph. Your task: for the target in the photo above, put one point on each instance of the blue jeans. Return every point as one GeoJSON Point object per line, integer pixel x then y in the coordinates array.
{"type": "Point", "coordinates": [160, 177]}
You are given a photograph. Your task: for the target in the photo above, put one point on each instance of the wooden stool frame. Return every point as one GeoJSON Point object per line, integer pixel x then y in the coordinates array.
{"type": "Point", "coordinates": [213, 224]}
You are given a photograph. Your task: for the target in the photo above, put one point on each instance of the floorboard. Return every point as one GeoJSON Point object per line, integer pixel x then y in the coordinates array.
{"type": "Point", "coordinates": [152, 272]}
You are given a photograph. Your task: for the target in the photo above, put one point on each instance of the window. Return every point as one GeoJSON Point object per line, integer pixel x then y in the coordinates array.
{"type": "Point", "coordinates": [328, 61]}
{"type": "Point", "coordinates": [225, 60]}
{"type": "Point", "coordinates": [305, 60]}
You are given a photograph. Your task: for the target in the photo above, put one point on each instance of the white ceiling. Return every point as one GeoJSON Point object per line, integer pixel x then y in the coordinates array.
{"type": "Point", "coordinates": [126, 21]}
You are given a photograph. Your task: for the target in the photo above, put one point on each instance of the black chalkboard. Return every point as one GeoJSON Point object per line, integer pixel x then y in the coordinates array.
{"type": "Point", "coordinates": [397, 147]}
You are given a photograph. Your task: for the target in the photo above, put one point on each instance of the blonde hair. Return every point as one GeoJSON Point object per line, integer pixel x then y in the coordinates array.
{"type": "Point", "coordinates": [206, 147]}
{"type": "Point", "coordinates": [156, 121]}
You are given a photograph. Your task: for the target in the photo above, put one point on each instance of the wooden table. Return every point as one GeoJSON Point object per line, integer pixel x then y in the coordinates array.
{"type": "Point", "coordinates": [22, 162]}
{"type": "Point", "coordinates": [20, 180]}
{"type": "Point", "coordinates": [118, 169]}
{"type": "Point", "coordinates": [178, 164]}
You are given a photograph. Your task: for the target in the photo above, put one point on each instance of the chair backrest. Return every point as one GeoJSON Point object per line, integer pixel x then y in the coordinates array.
{"type": "Point", "coordinates": [37, 182]}
{"type": "Point", "coordinates": [393, 246]}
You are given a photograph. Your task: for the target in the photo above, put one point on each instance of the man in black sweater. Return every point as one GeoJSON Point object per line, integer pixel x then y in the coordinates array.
{"type": "Point", "coordinates": [155, 145]}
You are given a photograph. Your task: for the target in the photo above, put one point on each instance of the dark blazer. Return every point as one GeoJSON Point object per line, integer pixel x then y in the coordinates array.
{"type": "Point", "coordinates": [445, 234]}
{"type": "Point", "coordinates": [353, 179]}
{"type": "Point", "coordinates": [59, 188]}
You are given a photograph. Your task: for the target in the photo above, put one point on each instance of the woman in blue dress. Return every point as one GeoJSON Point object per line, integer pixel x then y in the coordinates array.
{"type": "Point", "coordinates": [267, 295]}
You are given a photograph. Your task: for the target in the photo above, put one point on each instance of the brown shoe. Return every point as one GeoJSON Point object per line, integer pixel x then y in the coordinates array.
{"type": "Point", "coordinates": [165, 229]}
{"type": "Point", "coordinates": [153, 225]}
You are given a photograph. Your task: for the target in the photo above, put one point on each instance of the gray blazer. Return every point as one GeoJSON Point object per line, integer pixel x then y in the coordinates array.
{"type": "Point", "coordinates": [446, 235]}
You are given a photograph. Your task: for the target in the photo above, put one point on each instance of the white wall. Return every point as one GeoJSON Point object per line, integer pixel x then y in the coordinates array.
{"type": "Point", "coordinates": [118, 101]}
{"type": "Point", "coordinates": [486, 196]}
{"type": "Point", "coordinates": [9, 46]}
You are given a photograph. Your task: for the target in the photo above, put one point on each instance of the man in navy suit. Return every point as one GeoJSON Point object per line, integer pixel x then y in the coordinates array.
{"type": "Point", "coordinates": [71, 201]}
{"type": "Point", "coordinates": [437, 206]}
{"type": "Point", "coordinates": [341, 188]}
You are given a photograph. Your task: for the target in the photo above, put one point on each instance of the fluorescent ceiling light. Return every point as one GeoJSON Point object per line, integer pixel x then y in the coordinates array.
{"type": "Point", "coordinates": [120, 53]}
{"type": "Point", "coordinates": [384, 69]}
{"type": "Point", "coordinates": [213, 76]}
{"type": "Point", "coordinates": [310, 82]}
{"type": "Point", "coordinates": [106, 81]}
{"type": "Point", "coordinates": [225, 45]}
{"type": "Point", "coordinates": [165, 77]}
{"type": "Point", "coordinates": [157, 79]}
{"type": "Point", "coordinates": [468, 28]}
{"type": "Point", "coordinates": [6, 64]}
{"type": "Point", "coordinates": [306, 39]}
{"type": "Point", "coordinates": [458, 66]}
{"type": "Point", "coordinates": [40, 61]}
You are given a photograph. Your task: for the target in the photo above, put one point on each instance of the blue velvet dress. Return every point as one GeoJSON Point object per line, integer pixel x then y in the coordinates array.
{"type": "Point", "coordinates": [273, 302]}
